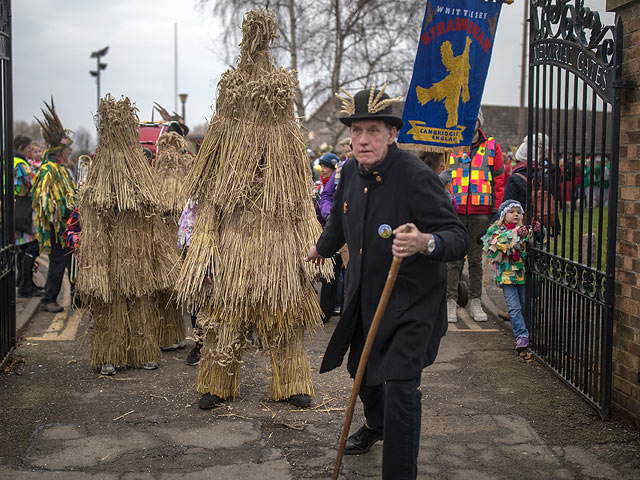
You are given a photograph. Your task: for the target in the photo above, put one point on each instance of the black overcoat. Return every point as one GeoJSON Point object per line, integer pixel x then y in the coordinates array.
{"type": "Point", "coordinates": [400, 189]}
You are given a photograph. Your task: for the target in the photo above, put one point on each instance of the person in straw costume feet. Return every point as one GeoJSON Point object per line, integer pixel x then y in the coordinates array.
{"type": "Point", "coordinates": [52, 191]}
{"type": "Point", "coordinates": [171, 165]}
{"type": "Point", "coordinates": [243, 271]}
{"type": "Point", "coordinates": [125, 255]}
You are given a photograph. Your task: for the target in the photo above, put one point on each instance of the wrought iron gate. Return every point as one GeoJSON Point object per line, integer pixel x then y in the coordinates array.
{"type": "Point", "coordinates": [7, 263]}
{"type": "Point", "coordinates": [574, 99]}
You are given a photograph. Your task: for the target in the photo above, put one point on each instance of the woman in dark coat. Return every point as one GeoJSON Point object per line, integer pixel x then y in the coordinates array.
{"type": "Point", "coordinates": [382, 189]}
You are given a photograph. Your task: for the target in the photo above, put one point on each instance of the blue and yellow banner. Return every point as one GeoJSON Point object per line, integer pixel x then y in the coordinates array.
{"type": "Point", "coordinates": [449, 73]}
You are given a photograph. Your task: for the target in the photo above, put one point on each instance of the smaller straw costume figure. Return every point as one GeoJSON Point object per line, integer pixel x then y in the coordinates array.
{"type": "Point", "coordinates": [125, 256]}
{"type": "Point", "coordinates": [73, 231]}
{"type": "Point", "coordinates": [243, 271]}
{"type": "Point", "coordinates": [171, 166]}
{"type": "Point", "coordinates": [52, 190]}
{"type": "Point", "coordinates": [505, 244]}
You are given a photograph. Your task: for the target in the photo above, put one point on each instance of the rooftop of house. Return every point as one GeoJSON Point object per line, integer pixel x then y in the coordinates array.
{"type": "Point", "coordinates": [500, 122]}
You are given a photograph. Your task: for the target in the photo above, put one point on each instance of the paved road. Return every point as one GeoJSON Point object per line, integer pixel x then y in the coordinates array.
{"type": "Point", "coordinates": [488, 413]}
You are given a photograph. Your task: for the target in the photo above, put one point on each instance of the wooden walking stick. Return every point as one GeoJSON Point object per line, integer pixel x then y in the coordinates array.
{"type": "Point", "coordinates": [364, 358]}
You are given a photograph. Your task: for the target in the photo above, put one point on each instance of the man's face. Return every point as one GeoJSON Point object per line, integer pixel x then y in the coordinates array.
{"type": "Point", "coordinates": [371, 140]}
{"type": "Point", "coordinates": [346, 147]}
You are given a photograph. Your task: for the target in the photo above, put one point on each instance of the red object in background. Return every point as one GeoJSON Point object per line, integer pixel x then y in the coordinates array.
{"type": "Point", "coordinates": [149, 134]}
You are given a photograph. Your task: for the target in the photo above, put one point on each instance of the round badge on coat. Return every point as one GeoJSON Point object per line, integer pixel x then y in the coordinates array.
{"type": "Point", "coordinates": [384, 230]}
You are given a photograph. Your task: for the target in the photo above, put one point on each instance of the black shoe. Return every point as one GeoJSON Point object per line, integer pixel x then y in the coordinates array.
{"type": "Point", "coordinates": [194, 356]}
{"type": "Point", "coordinates": [51, 307]}
{"type": "Point", "coordinates": [362, 441]}
{"type": "Point", "coordinates": [300, 400]}
{"type": "Point", "coordinates": [337, 311]}
{"type": "Point", "coordinates": [208, 401]}
{"type": "Point", "coordinates": [36, 292]}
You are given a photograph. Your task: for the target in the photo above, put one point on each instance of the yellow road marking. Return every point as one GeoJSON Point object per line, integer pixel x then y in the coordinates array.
{"type": "Point", "coordinates": [55, 331]}
{"type": "Point", "coordinates": [466, 318]}
{"type": "Point", "coordinates": [469, 322]}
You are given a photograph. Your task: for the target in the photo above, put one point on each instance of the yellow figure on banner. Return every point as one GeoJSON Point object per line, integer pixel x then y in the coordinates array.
{"type": "Point", "coordinates": [450, 87]}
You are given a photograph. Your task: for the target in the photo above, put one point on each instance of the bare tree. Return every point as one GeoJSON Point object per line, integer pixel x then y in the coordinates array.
{"type": "Point", "coordinates": [336, 44]}
{"type": "Point", "coordinates": [31, 130]}
{"type": "Point", "coordinates": [83, 142]}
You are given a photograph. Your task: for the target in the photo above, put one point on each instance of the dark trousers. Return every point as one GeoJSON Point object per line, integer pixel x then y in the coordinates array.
{"type": "Point", "coordinates": [475, 225]}
{"type": "Point", "coordinates": [196, 330]}
{"type": "Point", "coordinates": [329, 290]}
{"type": "Point", "coordinates": [59, 259]}
{"type": "Point", "coordinates": [26, 257]}
{"type": "Point", "coordinates": [395, 409]}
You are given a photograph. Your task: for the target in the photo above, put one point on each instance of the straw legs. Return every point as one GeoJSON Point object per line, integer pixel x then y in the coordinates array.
{"type": "Point", "coordinates": [124, 332]}
{"type": "Point", "coordinates": [171, 333]}
{"type": "Point", "coordinates": [221, 356]}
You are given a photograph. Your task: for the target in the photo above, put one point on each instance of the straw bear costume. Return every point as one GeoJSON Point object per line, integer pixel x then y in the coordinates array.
{"type": "Point", "coordinates": [251, 226]}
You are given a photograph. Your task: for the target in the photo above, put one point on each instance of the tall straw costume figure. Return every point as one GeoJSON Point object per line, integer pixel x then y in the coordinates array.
{"type": "Point", "coordinates": [125, 255]}
{"type": "Point", "coordinates": [252, 182]}
{"type": "Point", "coordinates": [171, 166]}
{"type": "Point", "coordinates": [52, 192]}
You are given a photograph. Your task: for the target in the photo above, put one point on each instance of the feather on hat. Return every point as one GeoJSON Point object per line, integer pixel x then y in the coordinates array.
{"type": "Point", "coordinates": [54, 134]}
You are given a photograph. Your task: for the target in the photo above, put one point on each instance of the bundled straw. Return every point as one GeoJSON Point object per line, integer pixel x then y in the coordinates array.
{"type": "Point", "coordinates": [171, 328]}
{"type": "Point", "coordinates": [126, 254]}
{"type": "Point", "coordinates": [121, 333]}
{"type": "Point", "coordinates": [172, 164]}
{"type": "Point", "coordinates": [120, 177]}
{"type": "Point", "coordinates": [255, 219]}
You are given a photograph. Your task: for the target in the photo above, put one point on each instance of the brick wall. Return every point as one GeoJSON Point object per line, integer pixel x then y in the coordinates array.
{"type": "Point", "coordinates": [626, 328]}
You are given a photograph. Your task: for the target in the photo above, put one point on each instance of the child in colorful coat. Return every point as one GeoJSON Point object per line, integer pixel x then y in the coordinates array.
{"type": "Point", "coordinates": [505, 244]}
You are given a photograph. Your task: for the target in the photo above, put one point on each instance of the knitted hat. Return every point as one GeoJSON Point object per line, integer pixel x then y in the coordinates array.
{"type": "Point", "coordinates": [521, 153]}
{"type": "Point", "coordinates": [508, 205]}
{"type": "Point", "coordinates": [370, 104]}
{"type": "Point", "coordinates": [329, 160]}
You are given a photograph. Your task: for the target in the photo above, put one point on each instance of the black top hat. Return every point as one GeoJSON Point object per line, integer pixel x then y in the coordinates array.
{"type": "Point", "coordinates": [370, 104]}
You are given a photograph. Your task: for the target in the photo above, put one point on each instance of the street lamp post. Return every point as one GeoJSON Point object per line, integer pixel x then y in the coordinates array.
{"type": "Point", "coordinates": [183, 100]}
{"type": "Point", "coordinates": [98, 54]}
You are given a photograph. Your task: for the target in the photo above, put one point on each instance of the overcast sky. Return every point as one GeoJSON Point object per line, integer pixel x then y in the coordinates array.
{"type": "Point", "coordinates": [53, 40]}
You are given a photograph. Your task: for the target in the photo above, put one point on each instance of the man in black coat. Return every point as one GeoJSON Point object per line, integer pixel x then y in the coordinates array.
{"type": "Point", "coordinates": [389, 203]}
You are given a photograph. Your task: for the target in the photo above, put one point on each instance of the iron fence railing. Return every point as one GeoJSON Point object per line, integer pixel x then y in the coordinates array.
{"type": "Point", "coordinates": [574, 101]}
{"type": "Point", "coordinates": [7, 263]}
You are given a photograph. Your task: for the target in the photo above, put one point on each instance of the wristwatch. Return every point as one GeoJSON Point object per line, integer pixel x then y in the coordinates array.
{"type": "Point", "coordinates": [431, 245]}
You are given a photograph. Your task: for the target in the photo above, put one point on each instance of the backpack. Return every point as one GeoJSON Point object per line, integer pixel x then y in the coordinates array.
{"type": "Point", "coordinates": [539, 198]}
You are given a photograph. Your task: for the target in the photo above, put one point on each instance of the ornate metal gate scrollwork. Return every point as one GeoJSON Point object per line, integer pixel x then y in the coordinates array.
{"type": "Point", "coordinates": [7, 269]}
{"type": "Point", "coordinates": [574, 100]}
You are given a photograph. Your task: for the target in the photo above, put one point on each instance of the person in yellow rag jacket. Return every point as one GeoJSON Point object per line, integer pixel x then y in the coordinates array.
{"type": "Point", "coordinates": [52, 190]}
